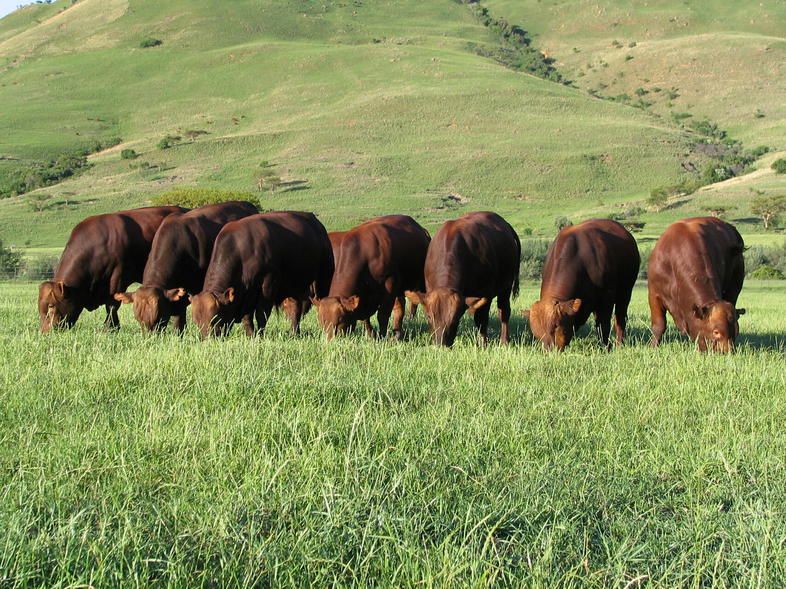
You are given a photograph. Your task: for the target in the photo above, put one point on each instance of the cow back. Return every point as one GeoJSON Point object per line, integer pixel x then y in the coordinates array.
{"type": "Point", "coordinates": [183, 244]}
{"type": "Point", "coordinates": [105, 253]}
{"type": "Point", "coordinates": [477, 254]}
{"type": "Point", "coordinates": [591, 261]}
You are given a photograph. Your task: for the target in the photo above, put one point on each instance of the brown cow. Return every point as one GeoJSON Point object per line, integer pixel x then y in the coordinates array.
{"type": "Point", "coordinates": [695, 273]}
{"type": "Point", "coordinates": [375, 263]}
{"type": "Point", "coordinates": [590, 268]}
{"type": "Point", "coordinates": [178, 261]}
{"type": "Point", "coordinates": [104, 254]}
{"type": "Point", "coordinates": [470, 261]}
{"type": "Point", "coordinates": [273, 259]}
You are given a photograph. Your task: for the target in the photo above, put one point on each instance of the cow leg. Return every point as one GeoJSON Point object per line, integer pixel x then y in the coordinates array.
{"type": "Point", "coordinates": [383, 315]}
{"type": "Point", "coordinates": [481, 317]}
{"type": "Point", "coordinates": [413, 309]}
{"type": "Point", "coordinates": [262, 314]}
{"type": "Point", "coordinates": [295, 312]}
{"type": "Point", "coordinates": [248, 324]}
{"type": "Point", "coordinates": [398, 317]}
{"type": "Point", "coordinates": [503, 310]}
{"type": "Point", "coordinates": [179, 321]}
{"type": "Point", "coordinates": [621, 317]}
{"type": "Point", "coordinates": [369, 327]}
{"type": "Point", "coordinates": [658, 318]}
{"type": "Point", "coordinates": [112, 321]}
{"type": "Point", "coordinates": [603, 325]}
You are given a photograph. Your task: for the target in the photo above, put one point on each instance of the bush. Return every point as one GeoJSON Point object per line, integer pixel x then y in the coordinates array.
{"type": "Point", "coordinates": [128, 154]}
{"type": "Point", "coordinates": [533, 255]}
{"type": "Point", "coordinates": [10, 261]}
{"type": "Point", "coordinates": [767, 272]}
{"type": "Point", "coordinates": [758, 257]}
{"type": "Point", "coordinates": [40, 268]}
{"type": "Point", "coordinates": [779, 166]}
{"type": "Point", "coordinates": [659, 197]}
{"type": "Point", "coordinates": [759, 151]}
{"type": "Point", "coordinates": [561, 222]}
{"type": "Point", "coordinates": [168, 141]}
{"type": "Point", "coordinates": [197, 197]}
{"type": "Point", "coordinates": [150, 42]}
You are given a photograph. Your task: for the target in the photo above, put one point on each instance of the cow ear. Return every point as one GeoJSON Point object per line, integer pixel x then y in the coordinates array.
{"type": "Point", "coordinates": [700, 312]}
{"type": "Point", "coordinates": [228, 295]}
{"type": "Point", "coordinates": [314, 301]}
{"type": "Point", "coordinates": [59, 287]}
{"type": "Point", "coordinates": [475, 303]}
{"type": "Point", "coordinates": [350, 303]}
{"type": "Point", "coordinates": [124, 297]}
{"type": "Point", "coordinates": [175, 294]}
{"type": "Point", "coordinates": [576, 305]}
{"type": "Point", "coordinates": [740, 312]}
{"type": "Point", "coordinates": [419, 298]}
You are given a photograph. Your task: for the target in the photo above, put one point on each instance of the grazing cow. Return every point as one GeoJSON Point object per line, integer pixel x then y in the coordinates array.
{"type": "Point", "coordinates": [273, 259]}
{"type": "Point", "coordinates": [590, 268]}
{"type": "Point", "coordinates": [177, 263]}
{"type": "Point", "coordinates": [695, 273]}
{"type": "Point", "coordinates": [470, 261]}
{"type": "Point", "coordinates": [104, 254]}
{"type": "Point", "coordinates": [375, 263]}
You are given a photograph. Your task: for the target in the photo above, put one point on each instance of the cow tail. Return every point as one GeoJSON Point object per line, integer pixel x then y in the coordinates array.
{"type": "Point", "coordinates": [515, 290]}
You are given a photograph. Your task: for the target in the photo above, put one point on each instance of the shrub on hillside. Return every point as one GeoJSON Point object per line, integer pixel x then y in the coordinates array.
{"type": "Point", "coordinates": [40, 268]}
{"type": "Point", "coordinates": [168, 141]}
{"type": "Point", "coordinates": [767, 272]}
{"type": "Point", "coordinates": [779, 166]}
{"type": "Point", "coordinates": [150, 42]}
{"type": "Point", "coordinates": [533, 255]}
{"type": "Point", "coordinates": [197, 197]}
{"type": "Point", "coordinates": [128, 154]}
{"type": "Point", "coordinates": [561, 222]}
{"type": "Point", "coordinates": [659, 197]}
{"type": "Point", "coordinates": [10, 261]}
{"type": "Point", "coordinates": [771, 258]}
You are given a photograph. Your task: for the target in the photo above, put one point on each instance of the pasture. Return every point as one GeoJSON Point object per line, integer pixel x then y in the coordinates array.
{"type": "Point", "coordinates": [281, 461]}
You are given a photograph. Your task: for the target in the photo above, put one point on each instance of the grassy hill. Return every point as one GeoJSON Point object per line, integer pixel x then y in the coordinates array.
{"type": "Point", "coordinates": [362, 108]}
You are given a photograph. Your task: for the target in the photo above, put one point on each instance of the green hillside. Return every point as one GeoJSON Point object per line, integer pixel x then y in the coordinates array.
{"type": "Point", "coordinates": [362, 108]}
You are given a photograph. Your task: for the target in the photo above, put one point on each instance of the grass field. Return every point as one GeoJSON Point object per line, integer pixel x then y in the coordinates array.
{"type": "Point", "coordinates": [154, 460]}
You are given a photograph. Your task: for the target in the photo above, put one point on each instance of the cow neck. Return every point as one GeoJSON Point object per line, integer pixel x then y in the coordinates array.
{"type": "Point", "coordinates": [561, 274]}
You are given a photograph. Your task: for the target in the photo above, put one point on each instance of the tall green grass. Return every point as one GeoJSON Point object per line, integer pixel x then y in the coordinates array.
{"type": "Point", "coordinates": [130, 460]}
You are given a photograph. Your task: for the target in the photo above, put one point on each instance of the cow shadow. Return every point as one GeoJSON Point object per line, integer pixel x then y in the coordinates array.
{"type": "Point", "coordinates": [294, 186]}
{"type": "Point", "coordinates": [770, 341]}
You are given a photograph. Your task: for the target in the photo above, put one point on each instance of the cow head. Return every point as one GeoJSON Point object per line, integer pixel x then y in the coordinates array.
{"type": "Point", "coordinates": [59, 305]}
{"type": "Point", "coordinates": [213, 312]}
{"type": "Point", "coordinates": [715, 326]}
{"type": "Point", "coordinates": [553, 323]}
{"type": "Point", "coordinates": [153, 306]}
{"type": "Point", "coordinates": [336, 314]}
{"type": "Point", "coordinates": [444, 308]}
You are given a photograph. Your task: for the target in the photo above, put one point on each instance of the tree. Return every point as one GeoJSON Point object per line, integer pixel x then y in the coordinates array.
{"type": "Point", "coordinates": [717, 210]}
{"type": "Point", "coordinates": [768, 208]}
{"type": "Point", "coordinates": [658, 198]}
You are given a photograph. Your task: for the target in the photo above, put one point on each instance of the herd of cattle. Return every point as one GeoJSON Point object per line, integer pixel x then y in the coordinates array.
{"type": "Point", "coordinates": [233, 264]}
